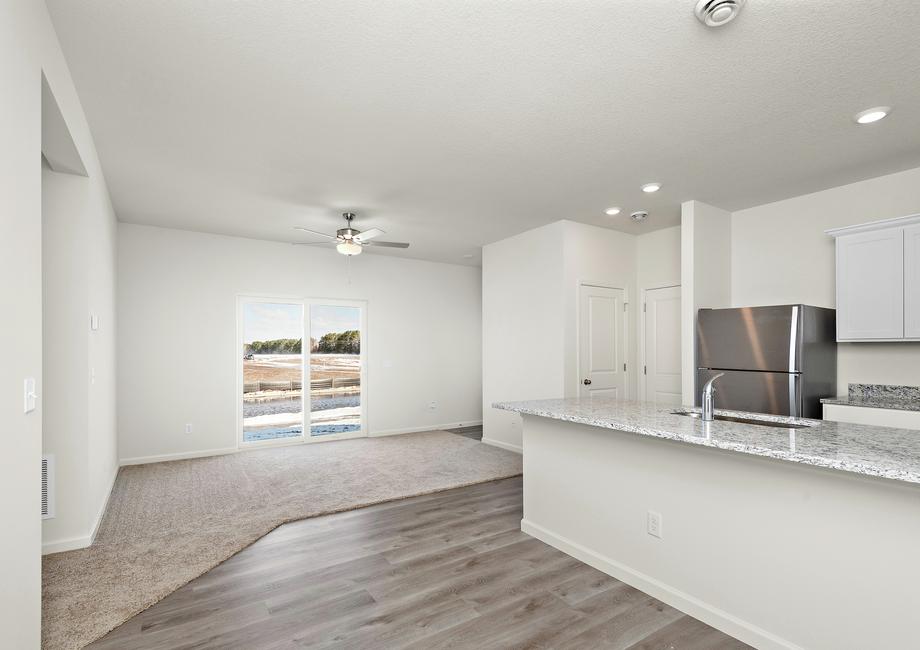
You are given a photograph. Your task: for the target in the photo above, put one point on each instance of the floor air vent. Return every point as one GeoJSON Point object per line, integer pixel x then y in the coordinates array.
{"type": "Point", "coordinates": [47, 486]}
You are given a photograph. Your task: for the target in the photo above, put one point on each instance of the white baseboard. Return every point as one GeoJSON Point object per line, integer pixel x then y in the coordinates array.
{"type": "Point", "coordinates": [143, 460]}
{"type": "Point", "coordinates": [69, 544]}
{"type": "Point", "coordinates": [105, 504]}
{"type": "Point", "coordinates": [73, 543]}
{"type": "Point", "coordinates": [503, 445]}
{"type": "Point", "coordinates": [429, 427]}
{"type": "Point", "coordinates": [713, 616]}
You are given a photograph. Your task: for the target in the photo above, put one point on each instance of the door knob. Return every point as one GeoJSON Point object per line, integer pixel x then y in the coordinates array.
{"type": "Point", "coordinates": [587, 382]}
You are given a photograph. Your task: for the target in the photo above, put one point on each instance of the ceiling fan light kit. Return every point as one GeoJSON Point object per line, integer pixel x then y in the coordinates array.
{"type": "Point", "coordinates": [348, 248]}
{"type": "Point", "coordinates": [349, 241]}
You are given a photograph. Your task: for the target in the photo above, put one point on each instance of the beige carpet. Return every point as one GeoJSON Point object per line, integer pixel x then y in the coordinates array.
{"type": "Point", "coordinates": [168, 523]}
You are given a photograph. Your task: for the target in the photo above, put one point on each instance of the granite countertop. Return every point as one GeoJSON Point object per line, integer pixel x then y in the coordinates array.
{"type": "Point", "coordinates": [879, 396]}
{"type": "Point", "coordinates": [856, 448]}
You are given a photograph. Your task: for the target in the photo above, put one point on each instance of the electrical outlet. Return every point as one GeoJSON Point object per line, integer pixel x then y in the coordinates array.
{"type": "Point", "coordinates": [432, 406]}
{"type": "Point", "coordinates": [654, 524]}
{"type": "Point", "coordinates": [188, 428]}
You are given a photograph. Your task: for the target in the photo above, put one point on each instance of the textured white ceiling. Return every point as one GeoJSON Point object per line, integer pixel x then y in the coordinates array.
{"type": "Point", "coordinates": [454, 124]}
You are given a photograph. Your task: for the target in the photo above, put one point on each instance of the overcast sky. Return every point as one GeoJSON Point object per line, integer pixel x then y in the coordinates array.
{"type": "Point", "coordinates": [263, 321]}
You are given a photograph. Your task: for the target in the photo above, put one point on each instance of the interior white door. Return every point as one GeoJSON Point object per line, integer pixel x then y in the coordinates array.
{"type": "Point", "coordinates": [601, 341]}
{"type": "Point", "coordinates": [661, 366]}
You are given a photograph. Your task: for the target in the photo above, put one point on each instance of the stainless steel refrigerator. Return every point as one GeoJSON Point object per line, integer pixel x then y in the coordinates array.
{"type": "Point", "coordinates": [780, 359]}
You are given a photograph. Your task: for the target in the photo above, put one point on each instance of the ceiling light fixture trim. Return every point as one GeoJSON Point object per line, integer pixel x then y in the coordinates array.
{"type": "Point", "coordinates": [715, 13]}
{"type": "Point", "coordinates": [872, 115]}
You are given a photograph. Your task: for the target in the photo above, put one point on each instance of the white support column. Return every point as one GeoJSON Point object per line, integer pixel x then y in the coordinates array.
{"type": "Point", "coordinates": [705, 277]}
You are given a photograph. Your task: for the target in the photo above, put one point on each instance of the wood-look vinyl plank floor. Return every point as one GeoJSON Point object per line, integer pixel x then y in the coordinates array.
{"type": "Point", "coordinates": [444, 570]}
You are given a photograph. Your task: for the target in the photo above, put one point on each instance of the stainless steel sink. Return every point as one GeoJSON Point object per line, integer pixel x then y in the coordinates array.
{"type": "Point", "coordinates": [754, 421]}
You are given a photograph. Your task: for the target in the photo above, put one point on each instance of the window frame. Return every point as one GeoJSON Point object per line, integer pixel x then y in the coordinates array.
{"type": "Point", "coordinates": [306, 304]}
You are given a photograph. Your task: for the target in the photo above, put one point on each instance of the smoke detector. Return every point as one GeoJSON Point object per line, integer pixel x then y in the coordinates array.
{"type": "Point", "coordinates": [715, 13]}
{"type": "Point", "coordinates": [639, 216]}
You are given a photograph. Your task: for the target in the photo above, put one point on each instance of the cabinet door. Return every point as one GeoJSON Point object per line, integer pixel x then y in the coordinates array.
{"type": "Point", "coordinates": [870, 285]}
{"type": "Point", "coordinates": [912, 282]}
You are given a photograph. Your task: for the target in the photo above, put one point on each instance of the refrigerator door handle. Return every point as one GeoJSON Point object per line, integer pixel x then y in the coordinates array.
{"type": "Point", "coordinates": [795, 405]}
{"type": "Point", "coordinates": [793, 339]}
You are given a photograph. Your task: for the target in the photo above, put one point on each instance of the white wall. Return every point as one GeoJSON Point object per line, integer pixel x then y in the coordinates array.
{"type": "Point", "coordinates": [177, 346]}
{"type": "Point", "coordinates": [767, 550]}
{"type": "Point", "coordinates": [78, 278]}
{"type": "Point", "coordinates": [530, 314]}
{"type": "Point", "coordinates": [658, 259]}
{"type": "Point", "coordinates": [705, 277]}
{"type": "Point", "coordinates": [28, 47]}
{"type": "Point", "coordinates": [65, 354]}
{"type": "Point", "coordinates": [780, 255]}
{"type": "Point", "coordinates": [523, 326]}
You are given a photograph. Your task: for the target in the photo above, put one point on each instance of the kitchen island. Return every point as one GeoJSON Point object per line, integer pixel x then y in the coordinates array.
{"type": "Point", "coordinates": [785, 534]}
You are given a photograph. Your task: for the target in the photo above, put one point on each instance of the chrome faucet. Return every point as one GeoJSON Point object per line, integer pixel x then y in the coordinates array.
{"type": "Point", "coordinates": [708, 390]}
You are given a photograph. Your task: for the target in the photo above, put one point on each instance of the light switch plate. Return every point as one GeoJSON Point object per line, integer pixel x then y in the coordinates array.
{"type": "Point", "coordinates": [29, 396]}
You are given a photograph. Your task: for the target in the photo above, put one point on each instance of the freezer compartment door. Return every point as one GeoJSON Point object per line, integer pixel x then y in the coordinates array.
{"type": "Point", "coordinates": [750, 338]}
{"type": "Point", "coordinates": [776, 393]}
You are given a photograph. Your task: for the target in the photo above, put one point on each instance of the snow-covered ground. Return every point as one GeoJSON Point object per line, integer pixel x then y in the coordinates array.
{"type": "Point", "coordinates": [279, 416]}
{"type": "Point", "coordinates": [317, 361]}
{"type": "Point", "coordinates": [283, 418]}
{"type": "Point", "coordinates": [346, 415]}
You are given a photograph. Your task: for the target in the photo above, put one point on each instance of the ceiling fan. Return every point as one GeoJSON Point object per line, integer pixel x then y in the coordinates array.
{"type": "Point", "coordinates": [349, 241]}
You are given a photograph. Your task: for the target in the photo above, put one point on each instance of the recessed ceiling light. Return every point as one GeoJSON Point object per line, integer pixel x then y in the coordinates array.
{"type": "Point", "coordinates": [715, 13]}
{"type": "Point", "coordinates": [871, 115]}
{"type": "Point", "coordinates": [468, 256]}
{"type": "Point", "coordinates": [642, 215]}
{"type": "Point", "coordinates": [612, 212]}
{"type": "Point", "coordinates": [648, 188]}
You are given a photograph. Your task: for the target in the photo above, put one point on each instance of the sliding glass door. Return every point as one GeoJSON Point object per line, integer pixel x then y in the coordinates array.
{"type": "Point", "coordinates": [292, 391]}
{"type": "Point", "coordinates": [335, 369]}
{"type": "Point", "coordinates": [273, 370]}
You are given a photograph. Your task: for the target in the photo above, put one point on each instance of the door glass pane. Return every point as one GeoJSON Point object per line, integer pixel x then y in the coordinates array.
{"type": "Point", "coordinates": [272, 371]}
{"type": "Point", "coordinates": [335, 369]}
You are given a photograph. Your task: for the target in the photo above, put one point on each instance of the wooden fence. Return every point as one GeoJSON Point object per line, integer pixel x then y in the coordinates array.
{"type": "Point", "coordinates": [315, 384]}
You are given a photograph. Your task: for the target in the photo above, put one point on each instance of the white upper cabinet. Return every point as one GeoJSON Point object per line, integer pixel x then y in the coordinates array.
{"type": "Point", "coordinates": [878, 280]}
{"type": "Point", "coordinates": [870, 285]}
{"type": "Point", "coordinates": [912, 282]}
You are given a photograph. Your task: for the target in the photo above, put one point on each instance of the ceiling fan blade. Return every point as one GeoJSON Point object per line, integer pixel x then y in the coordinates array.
{"type": "Point", "coordinates": [388, 244]}
{"type": "Point", "coordinates": [314, 232]}
{"type": "Point", "coordinates": [311, 243]}
{"type": "Point", "coordinates": [365, 235]}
